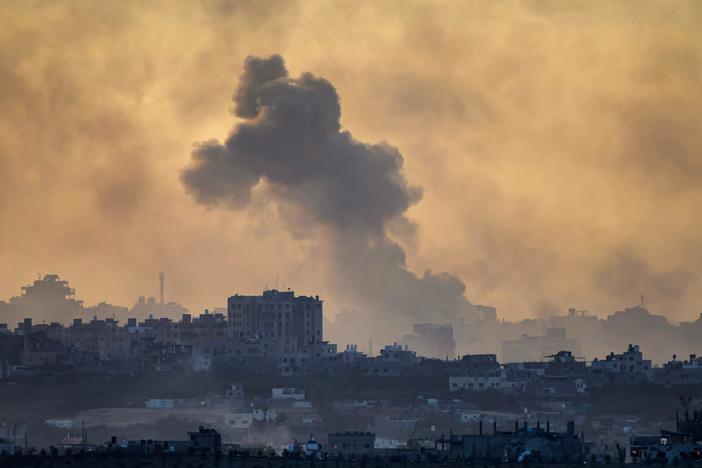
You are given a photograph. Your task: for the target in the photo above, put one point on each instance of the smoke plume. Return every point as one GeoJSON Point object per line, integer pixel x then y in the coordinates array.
{"type": "Point", "coordinates": [341, 190]}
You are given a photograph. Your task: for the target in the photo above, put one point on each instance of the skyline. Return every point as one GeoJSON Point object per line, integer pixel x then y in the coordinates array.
{"type": "Point", "coordinates": [507, 116]}
{"type": "Point", "coordinates": [152, 293]}
{"type": "Point", "coordinates": [52, 302]}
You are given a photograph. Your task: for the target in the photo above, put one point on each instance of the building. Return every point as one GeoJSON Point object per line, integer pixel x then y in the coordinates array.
{"type": "Point", "coordinates": [285, 322]}
{"type": "Point", "coordinates": [679, 372]}
{"type": "Point", "coordinates": [684, 445]}
{"type": "Point", "coordinates": [48, 298]}
{"type": "Point", "coordinates": [7, 447]}
{"type": "Point", "coordinates": [351, 443]}
{"type": "Point", "coordinates": [160, 403]}
{"type": "Point", "coordinates": [535, 348]}
{"type": "Point", "coordinates": [204, 440]}
{"type": "Point", "coordinates": [392, 433]}
{"type": "Point", "coordinates": [235, 391]}
{"type": "Point", "coordinates": [493, 379]}
{"type": "Point", "coordinates": [391, 362]}
{"type": "Point", "coordinates": [653, 332]}
{"type": "Point", "coordinates": [431, 340]}
{"type": "Point", "coordinates": [630, 362]}
{"type": "Point", "coordinates": [287, 393]}
{"type": "Point", "coordinates": [524, 443]}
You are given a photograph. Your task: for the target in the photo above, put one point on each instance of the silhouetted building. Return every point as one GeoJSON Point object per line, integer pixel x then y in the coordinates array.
{"type": "Point", "coordinates": [630, 361]}
{"type": "Point", "coordinates": [351, 443]}
{"type": "Point", "coordinates": [536, 348]}
{"type": "Point", "coordinates": [48, 298]}
{"type": "Point", "coordinates": [524, 443]}
{"type": "Point", "coordinates": [278, 318]}
{"type": "Point", "coordinates": [392, 361]}
{"type": "Point", "coordinates": [205, 441]}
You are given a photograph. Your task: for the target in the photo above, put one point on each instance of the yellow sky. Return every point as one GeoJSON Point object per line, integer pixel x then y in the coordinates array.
{"type": "Point", "coordinates": [557, 143]}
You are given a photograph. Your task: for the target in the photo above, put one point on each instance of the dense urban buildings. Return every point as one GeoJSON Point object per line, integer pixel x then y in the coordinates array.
{"type": "Point", "coordinates": [264, 360]}
{"type": "Point", "coordinates": [278, 318]}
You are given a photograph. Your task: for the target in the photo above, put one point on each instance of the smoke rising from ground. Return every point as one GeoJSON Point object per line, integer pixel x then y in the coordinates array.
{"type": "Point", "coordinates": [345, 190]}
{"type": "Point", "coordinates": [557, 143]}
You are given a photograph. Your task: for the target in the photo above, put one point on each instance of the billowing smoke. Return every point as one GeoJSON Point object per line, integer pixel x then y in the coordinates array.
{"type": "Point", "coordinates": [344, 192]}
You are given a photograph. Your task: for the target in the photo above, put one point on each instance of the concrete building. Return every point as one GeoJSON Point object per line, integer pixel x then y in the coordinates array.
{"type": "Point", "coordinates": [679, 372]}
{"type": "Point", "coordinates": [48, 298]}
{"type": "Point", "coordinates": [536, 348]}
{"type": "Point", "coordinates": [287, 322]}
{"type": "Point", "coordinates": [207, 441]}
{"type": "Point", "coordinates": [630, 361]}
{"type": "Point", "coordinates": [524, 443]}
{"type": "Point", "coordinates": [431, 340]}
{"type": "Point", "coordinates": [495, 379]}
{"type": "Point", "coordinates": [351, 443]}
{"type": "Point", "coordinates": [391, 362]}
{"type": "Point", "coordinates": [7, 447]}
{"type": "Point", "coordinates": [393, 433]}
{"type": "Point", "coordinates": [287, 393]}
{"type": "Point", "coordinates": [684, 445]}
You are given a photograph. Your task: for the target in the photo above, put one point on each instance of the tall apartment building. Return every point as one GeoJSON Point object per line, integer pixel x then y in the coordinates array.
{"type": "Point", "coordinates": [277, 318]}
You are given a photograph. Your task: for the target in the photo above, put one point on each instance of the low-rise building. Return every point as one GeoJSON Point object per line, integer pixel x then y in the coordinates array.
{"type": "Point", "coordinates": [207, 441]}
{"type": "Point", "coordinates": [629, 362]}
{"type": "Point", "coordinates": [535, 348]}
{"type": "Point", "coordinates": [495, 379]}
{"type": "Point", "coordinates": [287, 393]}
{"type": "Point", "coordinates": [351, 443]}
{"type": "Point", "coordinates": [391, 362]}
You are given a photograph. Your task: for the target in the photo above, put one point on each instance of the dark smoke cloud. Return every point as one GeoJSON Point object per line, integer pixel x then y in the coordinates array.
{"type": "Point", "coordinates": [291, 138]}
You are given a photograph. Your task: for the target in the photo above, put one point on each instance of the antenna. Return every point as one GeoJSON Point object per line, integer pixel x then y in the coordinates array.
{"type": "Point", "coordinates": [161, 279]}
{"type": "Point", "coordinates": [642, 300]}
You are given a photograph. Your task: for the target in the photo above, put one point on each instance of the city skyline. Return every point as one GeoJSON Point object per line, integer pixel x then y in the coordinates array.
{"type": "Point", "coordinates": [49, 300]}
{"type": "Point", "coordinates": [555, 146]}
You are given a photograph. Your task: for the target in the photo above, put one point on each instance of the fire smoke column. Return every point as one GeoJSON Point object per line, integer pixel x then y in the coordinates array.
{"type": "Point", "coordinates": [347, 190]}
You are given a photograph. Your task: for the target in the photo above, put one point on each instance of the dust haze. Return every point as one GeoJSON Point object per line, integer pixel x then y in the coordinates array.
{"type": "Point", "coordinates": [557, 147]}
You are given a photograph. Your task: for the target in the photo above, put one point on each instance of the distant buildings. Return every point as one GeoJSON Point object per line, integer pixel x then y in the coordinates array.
{"type": "Point", "coordinates": [51, 299]}
{"type": "Point", "coordinates": [431, 340]}
{"type": "Point", "coordinates": [684, 445]}
{"type": "Point", "coordinates": [479, 372]}
{"type": "Point", "coordinates": [48, 298]}
{"type": "Point", "coordinates": [206, 441]}
{"type": "Point", "coordinates": [279, 319]}
{"type": "Point", "coordinates": [535, 348]}
{"type": "Point", "coordinates": [351, 443]}
{"type": "Point", "coordinates": [523, 444]}
{"type": "Point", "coordinates": [393, 360]}
{"type": "Point", "coordinates": [630, 361]}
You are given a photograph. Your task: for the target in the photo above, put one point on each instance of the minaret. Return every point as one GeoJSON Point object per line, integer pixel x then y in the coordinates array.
{"type": "Point", "coordinates": [161, 278]}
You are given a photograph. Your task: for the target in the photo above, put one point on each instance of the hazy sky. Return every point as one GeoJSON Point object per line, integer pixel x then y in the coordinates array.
{"type": "Point", "coordinates": [558, 146]}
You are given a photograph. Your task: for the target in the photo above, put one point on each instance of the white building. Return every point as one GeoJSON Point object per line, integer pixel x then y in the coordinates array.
{"type": "Point", "coordinates": [631, 361]}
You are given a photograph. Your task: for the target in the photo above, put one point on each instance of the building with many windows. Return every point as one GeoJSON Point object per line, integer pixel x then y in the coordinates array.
{"type": "Point", "coordinates": [279, 318]}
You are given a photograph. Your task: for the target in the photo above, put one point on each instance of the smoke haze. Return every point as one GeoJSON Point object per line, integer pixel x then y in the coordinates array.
{"type": "Point", "coordinates": [557, 146]}
{"type": "Point", "coordinates": [329, 184]}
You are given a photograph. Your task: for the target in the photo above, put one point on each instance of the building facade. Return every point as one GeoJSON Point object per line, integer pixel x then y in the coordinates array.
{"type": "Point", "coordinates": [287, 322]}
